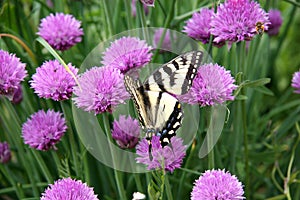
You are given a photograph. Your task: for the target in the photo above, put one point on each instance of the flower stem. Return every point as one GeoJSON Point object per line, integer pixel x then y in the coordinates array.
{"type": "Point", "coordinates": [107, 16]}
{"type": "Point", "coordinates": [168, 188]}
{"type": "Point", "coordinates": [117, 174]}
{"type": "Point", "coordinates": [12, 123]}
{"type": "Point", "coordinates": [18, 40]}
{"type": "Point", "coordinates": [166, 25]}
{"type": "Point", "coordinates": [73, 145]}
{"type": "Point", "coordinates": [182, 178]}
{"type": "Point", "coordinates": [241, 66]}
{"type": "Point", "coordinates": [6, 172]}
{"type": "Point", "coordinates": [42, 165]}
{"type": "Point", "coordinates": [211, 156]}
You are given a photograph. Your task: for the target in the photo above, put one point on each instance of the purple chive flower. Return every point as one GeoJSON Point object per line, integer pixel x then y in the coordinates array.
{"type": "Point", "coordinates": [101, 89]}
{"type": "Point", "coordinates": [61, 31]}
{"type": "Point", "coordinates": [296, 82]}
{"type": "Point", "coordinates": [127, 53]}
{"type": "Point", "coordinates": [126, 132]}
{"type": "Point", "coordinates": [217, 185]}
{"type": "Point", "coordinates": [275, 20]}
{"type": "Point", "coordinates": [212, 85]}
{"type": "Point", "coordinates": [133, 8]}
{"type": "Point", "coordinates": [5, 154]}
{"type": "Point", "coordinates": [166, 42]}
{"type": "Point", "coordinates": [169, 157]}
{"type": "Point", "coordinates": [17, 96]}
{"type": "Point", "coordinates": [69, 189]}
{"type": "Point", "coordinates": [148, 2]}
{"type": "Point", "coordinates": [236, 20]}
{"type": "Point", "coordinates": [52, 80]}
{"type": "Point", "coordinates": [44, 129]}
{"type": "Point", "coordinates": [12, 72]}
{"type": "Point", "coordinates": [198, 27]}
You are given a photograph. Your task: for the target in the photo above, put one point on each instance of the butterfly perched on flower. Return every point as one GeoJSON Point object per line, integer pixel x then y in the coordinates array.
{"type": "Point", "coordinates": [160, 112]}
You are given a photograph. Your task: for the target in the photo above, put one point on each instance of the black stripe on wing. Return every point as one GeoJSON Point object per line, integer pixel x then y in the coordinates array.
{"type": "Point", "coordinates": [171, 126]}
{"type": "Point", "coordinates": [176, 76]}
{"type": "Point", "coordinates": [139, 97]}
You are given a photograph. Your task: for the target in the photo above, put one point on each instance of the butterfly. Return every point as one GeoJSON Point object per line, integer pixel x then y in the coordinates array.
{"type": "Point", "coordinates": [159, 111]}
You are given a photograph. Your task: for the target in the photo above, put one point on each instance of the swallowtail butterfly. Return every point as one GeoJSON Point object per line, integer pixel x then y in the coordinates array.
{"type": "Point", "coordinates": [160, 112]}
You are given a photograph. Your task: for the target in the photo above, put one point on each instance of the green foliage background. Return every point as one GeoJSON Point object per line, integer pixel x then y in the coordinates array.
{"type": "Point", "coordinates": [259, 143]}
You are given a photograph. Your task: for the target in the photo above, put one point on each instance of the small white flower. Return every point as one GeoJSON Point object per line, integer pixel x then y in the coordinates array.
{"type": "Point", "coordinates": [138, 196]}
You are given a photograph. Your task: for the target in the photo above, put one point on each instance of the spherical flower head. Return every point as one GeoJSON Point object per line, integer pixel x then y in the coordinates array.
{"type": "Point", "coordinates": [275, 21]}
{"type": "Point", "coordinates": [167, 40]}
{"type": "Point", "coordinates": [126, 132]}
{"type": "Point", "coordinates": [198, 27]}
{"type": "Point", "coordinates": [69, 189]}
{"type": "Point", "coordinates": [127, 53]}
{"type": "Point", "coordinates": [12, 72]}
{"type": "Point", "coordinates": [5, 154]}
{"type": "Point", "coordinates": [236, 20]}
{"type": "Point", "coordinates": [52, 80]}
{"type": "Point", "coordinates": [296, 82]}
{"type": "Point", "coordinates": [101, 89]}
{"type": "Point", "coordinates": [44, 129]}
{"type": "Point", "coordinates": [61, 31]}
{"type": "Point", "coordinates": [217, 185]}
{"type": "Point", "coordinates": [168, 157]}
{"type": "Point", "coordinates": [212, 85]}
{"type": "Point", "coordinates": [148, 2]}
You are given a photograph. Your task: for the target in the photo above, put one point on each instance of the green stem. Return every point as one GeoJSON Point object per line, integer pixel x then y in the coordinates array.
{"type": "Point", "coordinates": [108, 19]}
{"type": "Point", "coordinates": [86, 170]}
{"type": "Point", "coordinates": [168, 188]}
{"type": "Point", "coordinates": [166, 25]}
{"type": "Point", "coordinates": [273, 176]}
{"type": "Point", "coordinates": [289, 170]}
{"type": "Point", "coordinates": [246, 151]}
{"type": "Point", "coordinates": [42, 165]}
{"type": "Point", "coordinates": [162, 8]}
{"type": "Point", "coordinates": [241, 57]}
{"type": "Point", "coordinates": [138, 182]}
{"type": "Point", "coordinates": [211, 156]}
{"type": "Point", "coordinates": [182, 177]}
{"type": "Point", "coordinates": [6, 172]}
{"type": "Point", "coordinates": [128, 14]}
{"type": "Point", "coordinates": [22, 156]}
{"type": "Point", "coordinates": [293, 3]}
{"type": "Point", "coordinates": [24, 186]}
{"type": "Point", "coordinates": [118, 177]}
{"type": "Point", "coordinates": [73, 145]}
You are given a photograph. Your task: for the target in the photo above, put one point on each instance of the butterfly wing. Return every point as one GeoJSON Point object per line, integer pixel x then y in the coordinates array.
{"type": "Point", "coordinates": [176, 76]}
{"type": "Point", "coordinates": [141, 102]}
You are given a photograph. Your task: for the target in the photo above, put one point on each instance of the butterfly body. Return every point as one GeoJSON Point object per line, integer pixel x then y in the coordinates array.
{"type": "Point", "coordinates": [160, 112]}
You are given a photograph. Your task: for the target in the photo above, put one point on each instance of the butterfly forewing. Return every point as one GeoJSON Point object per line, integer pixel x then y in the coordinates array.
{"type": "Point", "coordinates": [176, 76]}
{"type": "Point", "coordinates": [136, 91]}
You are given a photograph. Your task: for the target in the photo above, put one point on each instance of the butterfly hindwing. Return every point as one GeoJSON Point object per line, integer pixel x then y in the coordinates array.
{"type": "Point", "coordinates": [165, 114]}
